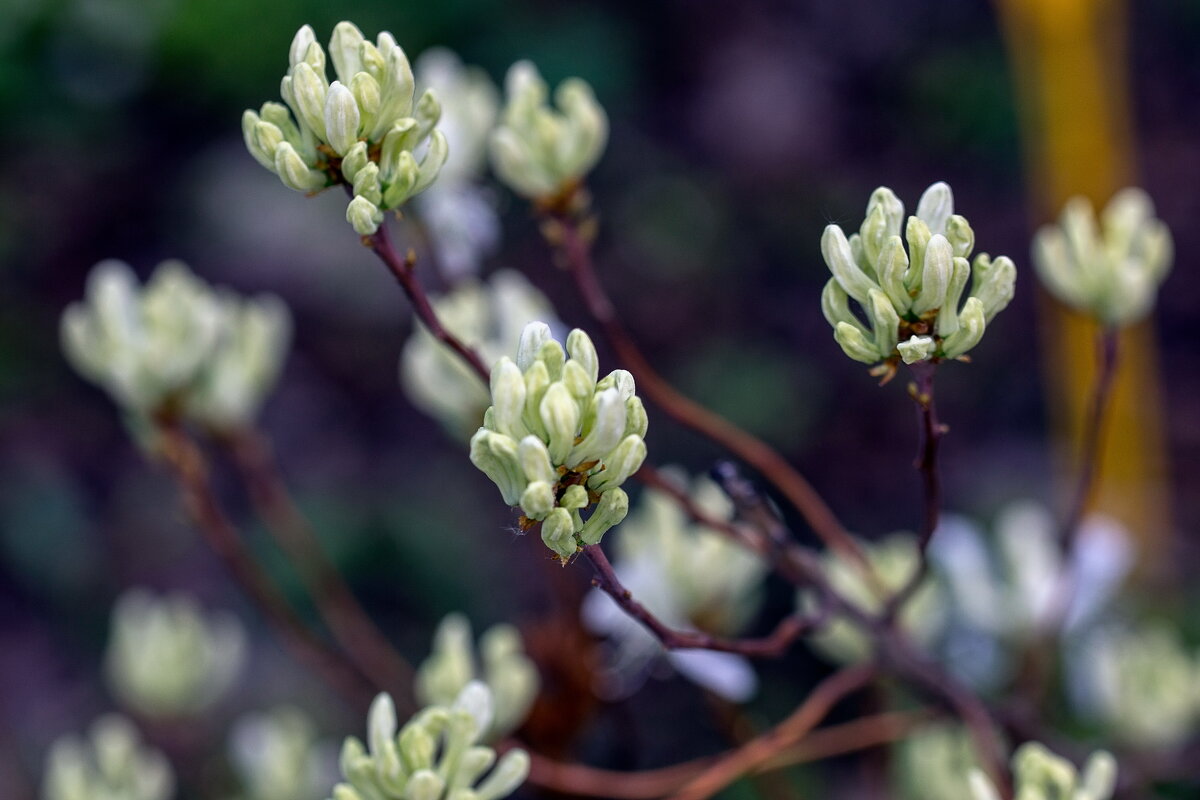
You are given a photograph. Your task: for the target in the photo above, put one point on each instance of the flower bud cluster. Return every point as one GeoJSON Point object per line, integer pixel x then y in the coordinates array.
{"type": "Point", "coordinates": [113, 765]}
{"type": "Point", "coordinates": [277, 756]}
{"type": "Point", "coordinates": [502, 666]}
{"type": "Point", "coordinates": [1142, 684]}
{"type": "Point", "coordinates": [912, 298]}
{"type": "Point", "coordinates": [1111, 270]}
{"type": "Point", "coordinates": [176, 345]}
{"type": "Point", "coordinates": [487, 317]}
{"type": "Point", "coordinates": [893, 561]}
{"type": "Point", "coordinates": [166, 657]}
{"type": "Point", "coordinates": [436, 755]}
{"type": "Point", "coordinates": [556, 441]}
{"type": "Point", "coordinates": [540, 152]}
{"type": "Point", "coordinates": [1041, 775]}
{"type": "Point", "coordinates": [363, 129]}
{"type": "Point", "coordinates": [936, 762]}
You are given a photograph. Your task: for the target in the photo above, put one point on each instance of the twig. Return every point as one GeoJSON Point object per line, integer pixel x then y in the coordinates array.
{"type": "Point", "coordinates": [762, 749]}
{"type": "Point", "coordinates": [349, 623]}
{"type": "Point", "coordinates": [651, 476]}
{"type": "Point", "coordinates": [748, 448]}
{"type": "Point", "coordinates": [189, 468]}
{"type": "Point", "coordinates": [775, 644]}
{"type": "Point", "coordinates": [402, 270]}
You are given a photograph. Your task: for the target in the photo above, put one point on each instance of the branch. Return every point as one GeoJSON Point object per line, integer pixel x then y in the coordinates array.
{"type": "Point", "coordinates": [189, 468]}
{"type": "Point", "coordinates": [350, 624]}
{"type": "Point", "coordinates": [583, 781]}
{"type": "Point", "coordinates": [772, 646]}
{"type": "Point", "coordinates": [402, 270]}
{"type": "Point", "coordinates": [748, 448]}
{"type": "Point", "coordinates": [762, 749]}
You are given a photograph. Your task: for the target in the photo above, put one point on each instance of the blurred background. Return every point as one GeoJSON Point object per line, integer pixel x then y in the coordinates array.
{"type": "Point", "coordinates": [738, 132]}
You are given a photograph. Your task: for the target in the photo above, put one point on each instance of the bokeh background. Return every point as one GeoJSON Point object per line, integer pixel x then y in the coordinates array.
{"type": "Point", "coordinates": [738, 131]}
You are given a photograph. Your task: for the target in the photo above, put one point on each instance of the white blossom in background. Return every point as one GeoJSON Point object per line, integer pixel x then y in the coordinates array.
{"type": "Point", "coordinates": [911, 298]}
{"type": "Point", "coordinates": [486, 316]}
{"type": "Point", "coordinates": [1006, 589]}
{"type": "Point", "coordinates": [1141, 684]}
{"type": "Point", "coordinates": [435, 756]}
{"type": "Point", "coordinates": [458, 211]}
{"type": "Point", "coordinates": [176, 345]}
{"type": "Point", "coordinates": [935, 763]}
{"type": "Point", "coordinates": [541, 152]}
{"type": "Point", "coordinates": [501, 664]}
{"type": "Point", "coordinates": [1039, 774]}
{"type": "Point", "coordinates": [364, 129]}
{"type": "Point", "coordinates": [1111, 269]}
{"type": "Point", "coordinates": [689, 576]}
{"type": "Point", "coordinates": [111, 764]}
{"type": "Point", "coordinates": [277, 756]}
{"type": "Point", "coordinates": [894, 560]}
{"type": "Point", "coordinates": [168, 657]}
{"type": "Point", "coordinates": [557, 442]}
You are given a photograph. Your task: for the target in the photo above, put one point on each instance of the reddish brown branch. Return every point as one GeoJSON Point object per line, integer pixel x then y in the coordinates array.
{"type": "Point", "coordinates": [189, 468]}
{"type": "Point", "coordinates": [748, 448]}
{"type": "Point", "coordinates": [772, 646]}
{"type": "Point", "coordinates": [349, 623]}
{"type": "Point", "coordinates": [762, 749]}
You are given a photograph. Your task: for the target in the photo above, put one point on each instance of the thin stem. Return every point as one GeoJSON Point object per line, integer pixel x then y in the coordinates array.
{"type": "Point", "coordinates": [349, 623]}
{"type": "Point", "coordinates": [774, 645]}
{"type": "Point", "coordinates": [189, 468]}
{"type": "Point", "coordinates": [748, 448]}
{"type": "Point", "coordinates": [581, 780]}
{"type": "Point", "coordinates": [791, 730]}
{"type": "Point", "coordinates": [402, 270]}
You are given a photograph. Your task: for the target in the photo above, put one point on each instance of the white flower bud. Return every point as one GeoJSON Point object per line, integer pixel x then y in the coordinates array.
{"type": "Point", "coordinates": [947, 319]}
{"type": "Point", "coordinates": [432, 163]}
{"type": "Point", "coordinates": [355, 159]}
{"type": "Point", "coordinates": [533, 337]}
{"type": "Point", "coordinates": [608, 428]}
{"type": "Point", "coordinates": [508, 398]}
{"type": "Point", "coordinates": [917, 348]}
{"type": "Point", "coordinates": [538, 499]}
{"type": "Point", "coordinates": [366, 184]}
{"type": "Point", "coordinates": [366, 93]}
{"type": "Point", "coordinates": [855, 344]}
{"type": "Point", "coordinates": [935, 207]}
{"type": "Point", "coordinates": [294, 173]}
{"type": "Point", "coordinates": [341, 118]}
{"type": "Point", "coordinates": [510, 773]}
{"type": "Point", "coordinates": [364, 216]}
{"type": "Point", "coordinates": [891, 269]}
{"type": "Point", "coordinates": [300, 43]}
{"type": "Point", "coordinates": [971, 324]}
{"type": "Point", "coordinates": [558, 533]}
{"type": "Point", "coordinates": [917, 234]}
{"type": "Point", "coordinates": [496, 456]}
{"type": "Point", "coordinates": [612, 508]}
{"type": "Point", "coordinates": [836, 252]}
{"type": "Point", "coordinates": [574, 498]}
{"type": "Point", "coordinates": [884, 321]}
{"type": "Point", "coordinates": [622, 462]}
{"type": "Point", "coordinates": [560, 416]}
{"type": "Point", "coordinates": [960, 235]}
{"type": "Point", "coordinates": [935, 277]}
{"type": "Point", "coordinates": [636, 421]}
{"type": "Point", "coordinates": [308, 92]}
{"type": "Point", "coordinates": [345, 47]}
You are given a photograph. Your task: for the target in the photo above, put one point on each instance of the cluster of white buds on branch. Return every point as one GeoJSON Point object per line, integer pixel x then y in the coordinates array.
{"type": "Point", "coordinates": [363, 130]}
{"type": "Point", "coordinates": [911, 298]}
{"type": "Point", "coordinates": [1042, 775]}
{"type": "Point", "coordinates": [435, 756]}
{"type": "Point", "coordinates": [540, 152]}
{"type": "Point", "coordinates": [1111, 271]}
{"type": "Point", "coordinates": [502, 666]}
{"type": "Point", "coordinates": [176, 346]}
{"type": "Point", "coordinates": [113, 763]}
{"type": "Point", "coordinates": [556, 441]}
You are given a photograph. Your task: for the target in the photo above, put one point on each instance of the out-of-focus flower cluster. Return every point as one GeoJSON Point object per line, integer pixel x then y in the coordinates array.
{"type": "Point", "coordinates": [540, 152]}
{"type": "Point", "coordinates": [911, 298]}
{"type": "Point", "coordinates": [935, 763]}
{"type": "Point", "coordinates": [501, 665]}
{"type": "Point", "coordinates": [166, 657]}
{"type": "Point", "coordinates": [277, 756]}
{"type": "Point", "coordinates": [435, 756]}
{"type": "Point", "coordinates": [1041, 775]}
{"type": "Point", "coordinates": [893, 560]}
{"type": "Point", "coordinates": [556, 441]}
{"type": "Point", "coordinates": [1111, 270]}
{"type": "Point", "coordinates": [486, 316]}
{"type": "Point", "coordinates": [176, 345]}
{"type": "Point", "coordinates": [112, 764]}
{"type": "Point", "coordinates": [363, 129]}
{"type": "Point", "coordinates": [689, 576]}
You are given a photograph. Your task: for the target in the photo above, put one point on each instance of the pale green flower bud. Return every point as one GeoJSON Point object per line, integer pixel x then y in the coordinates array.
{"type": "Point", "coordinates": [835, 306]}
{"type": "Point", "coordinates": [560, 416]}
{"type": "Point", "coordinates": [574, 498]}
{"type": "Point", "coordinates": [364, 216]}
{"type": "Point", "coordinates": [294, 173]}
{"type": "Point", "coordinates": [583, 352]}
{"type": "Point", "coordinates": [424, 785]}
{"type": "Point", "coordinates": [1111, 271]}
{"type": "Point", "coordinates": [367, 95]}
{"type": "Point", "coordinates": [533, 337]}
{"type": "Point", "coordinates": [960, 235]}
{"type": "Point", "coordinates": [308, 92]}
{"type": "Point", "coordinates": [427, 112]}
{"type": "Point", "coordinates": [855, 343]}
{"type": "Point", "coordinates": [607, 429]}
{"type": "Point", "coordinates": [432, 163]}
{"type": "Point", "coordinates": [300, 44]}
{"type": "Point", "coordinates": [885, 321]}
{"type": "Point", "coordinates": [404, 176]}
{"type": "Point", "coordinates": [496, 456]}
{"type": "Point", "coordinates": [971, 324]}
{"type": "Point", "coordinates": [994, 283]}
{"type": "Point", "coordinates": [535, 460]}
{"type": "Point", "coordinates": [262, 150]}
{"type": "Point", "coordinates": [1041, 775]}
{"type": "Point", "coordinates": [872, 235]}
{"type": "Point", "coordinates": [636, 421]}
{"type": "Point", "coordinates": [508, 398]}
{"type": "Point", "coordinates": [893, 209]}
{"type": "Point", "coordinates": [399, 140]}
{"type": "Point", "coordinates": [576, 379]}
{"type": "Point", "coordinates": [345, 49]}
{"type": "Point", "coordinates": [935, 276]}
{"type": "Point", "coordinates": [892, 267]}
{"type": "Point", "coordinates": [917, 234]}
{"type": "Point", "coordinates": [508, 775]}
{"type": "Point", "coordinates": [355, 160]}
{"type": "Point", "coordinates": [112, 763]}
{"type": "Point", "coordinates": [341, 118]}
{"type": "Point", "coordinates": [612, 508]}
{"type": "Point", "coordinates": [947, 318]}
{"type": "Point", "coordinates": [558, 533]}
{"type": "Point", "coordinates": [917, 348]}
{"type": "Point", "coordinates": [935, 207]}
{"type": "Point", "coordinates": [367, 185]}
{"type": "Point", "coordinates": [621, 463]}
{"type": "Point", "coordinates": [395, 90]}
{"type": "Point", "coordinates": [538, 499]}
{"type": "Point", "coordinates": [836, 251]}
